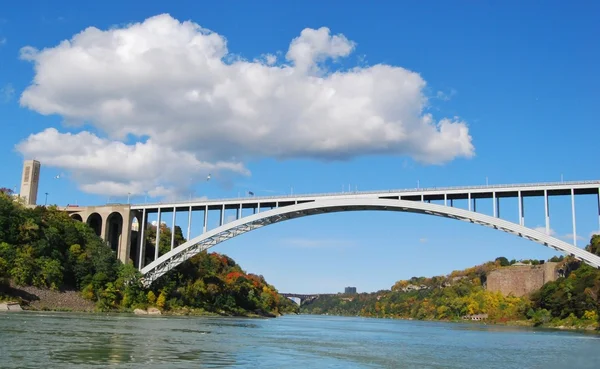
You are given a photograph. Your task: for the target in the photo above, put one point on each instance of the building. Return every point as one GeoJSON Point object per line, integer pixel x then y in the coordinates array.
{"type": "Point", "coordinates": [475, 317]}
{"type": "Point", "coordinates": [30, 181]}
{"type": "Point", "coordinates": [350, 290]}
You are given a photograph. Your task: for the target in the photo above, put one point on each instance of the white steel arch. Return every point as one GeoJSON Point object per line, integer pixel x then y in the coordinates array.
{"type": "Point", "coordinates": [168, 261]}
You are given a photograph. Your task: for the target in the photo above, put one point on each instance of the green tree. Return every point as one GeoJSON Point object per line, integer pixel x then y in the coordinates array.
{"type": "Point", "coordinates": [502, 261]}
{"type": "Point", "coordinates": [50, 273]}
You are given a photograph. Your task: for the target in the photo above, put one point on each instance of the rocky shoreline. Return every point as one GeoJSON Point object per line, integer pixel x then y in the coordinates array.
{"type": "Point", "coordinates": [33, 298]}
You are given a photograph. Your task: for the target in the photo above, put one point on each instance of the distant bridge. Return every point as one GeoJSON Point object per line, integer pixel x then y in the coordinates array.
{"type": "Point", "coordinates": [113, 222]}
{"type": "Point", "coordinates": [305, 297]}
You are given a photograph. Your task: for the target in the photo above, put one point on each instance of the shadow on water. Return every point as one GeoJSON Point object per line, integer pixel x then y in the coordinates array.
{"type": "Point", "coordinates": [151, 348]}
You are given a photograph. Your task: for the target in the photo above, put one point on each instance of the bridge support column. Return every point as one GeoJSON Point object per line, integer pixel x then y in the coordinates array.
{"type": "Point", "coordinates": [142, 248]}
{"type": "Point", "coordinates": [103, 234]}
{"type": "Point", "coordinates": [157, 242]}
{"type": "Point", "coordinates": [547, 211]}
{"type": "Point", "coordinates": [222, 215]}
{"type": "Point", "coordinates": [239, 211]}
{"type": "Point", "coordinates": [573, 214]}
{"type": "Point", "coordinates": [205, 219]}
{"type": "Point", "coordinates": [125, 239]}
{"type": "Point", "coordinates": [469, 199]}
{"type": "Point", "coordinates": [446, 199]}
{"type": "Point", "coordinates": [474, 204]}
{"type": "Point", "coordinates": [599, 210]}
{"type": "Point", "coordinates": [494, 204]}
{"type": "Point", "coordinates": [173, 228]}
{"type": "Point", "coordinates": [521, 218]}
{"type": "Point", "coordinates": [498, 206]}
{"type": "Point", "coordinates": [189, 230]}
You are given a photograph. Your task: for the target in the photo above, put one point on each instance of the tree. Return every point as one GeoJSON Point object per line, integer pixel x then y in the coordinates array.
{"type": "Point", "coordinates": [161, 300]}
{"type": "Point", "coordinates": [151, 297]}
{"type": "Point", "coordinates": [594, 246]}
{"type": "Point", "coordinates": [50, 273]}
{"type": "Point", "coordinates": [6, 191]}
{"type": "Point", "coordinates": [557, 259]}
{"type": "Point", "coordinates": [502, 261]}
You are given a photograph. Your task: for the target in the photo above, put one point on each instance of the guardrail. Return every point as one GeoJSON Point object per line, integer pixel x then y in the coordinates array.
{"type": "Point", "coordinates": [417, 189]}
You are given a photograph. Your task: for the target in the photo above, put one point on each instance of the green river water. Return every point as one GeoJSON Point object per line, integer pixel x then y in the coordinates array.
{"type": "Point", "coordinates": [65, 340]}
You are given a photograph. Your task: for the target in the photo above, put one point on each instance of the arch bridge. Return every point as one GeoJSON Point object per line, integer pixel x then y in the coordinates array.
{"type": "Point", "coordinates": [114, 222]}
{"type": "Point", "coordinates": [304, 298]}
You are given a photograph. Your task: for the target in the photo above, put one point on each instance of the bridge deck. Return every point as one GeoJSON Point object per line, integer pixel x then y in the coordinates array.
{"type": "Point", "coordinates": [416, 194]}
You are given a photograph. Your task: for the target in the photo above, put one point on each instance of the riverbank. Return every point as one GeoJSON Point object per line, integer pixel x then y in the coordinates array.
{"type": "Point", "coordinates": [34, 298]}
{"type": "Point", "coordinates": [40, 299]}
{"type": "Point", "coordinates": [561, 325]}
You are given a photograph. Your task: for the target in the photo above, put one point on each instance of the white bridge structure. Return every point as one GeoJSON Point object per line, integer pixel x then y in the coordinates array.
{"type": "Point", "coordinates": [113, 222]}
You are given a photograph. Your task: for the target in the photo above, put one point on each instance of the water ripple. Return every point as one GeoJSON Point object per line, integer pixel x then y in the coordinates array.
{"type": "Point", "coordinates": [107, 340]}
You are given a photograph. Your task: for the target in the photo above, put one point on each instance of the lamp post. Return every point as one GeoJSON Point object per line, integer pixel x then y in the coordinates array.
{"type": "Point", "coordinates": [46, 200]}
{"type": "Point", "coordinates": [128, 197]}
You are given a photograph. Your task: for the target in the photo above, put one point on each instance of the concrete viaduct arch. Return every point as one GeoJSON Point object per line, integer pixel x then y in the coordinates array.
{"type": "Point", "coordinates": [168, 261]}
{"type": "Point", "coordinates": [112, 223]}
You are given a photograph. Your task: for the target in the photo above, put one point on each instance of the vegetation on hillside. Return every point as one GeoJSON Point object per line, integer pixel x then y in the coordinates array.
{"type": "Point", "coordinates": [45, 248]}
{"type": "Point", "coordinates": [572, 300]}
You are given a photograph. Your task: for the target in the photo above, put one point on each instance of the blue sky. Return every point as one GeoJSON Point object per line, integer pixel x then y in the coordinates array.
{"type": "Point", "coordinates": [521, 78]}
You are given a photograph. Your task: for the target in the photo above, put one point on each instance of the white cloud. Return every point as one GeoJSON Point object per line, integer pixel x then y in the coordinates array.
{"type": "Point", "coordinates": [569, 237]}
{"type": "Point", "coordinates": [2, 41]}
{"type": "Point", "coordinates": [270, 59]}
{"type": "Point", "coordinates": [542, 229]}
{"type": "Point", "coordinates": [7, 92]}
{"type": "Point", "coordinates": [566, 237]}
{"type": "Point", "coordinates": [169, 101]}
{"type": "Point", "coordinates": [317, 45]}
{"type": "Point", "coordinates": [111, 167]}
{"type": "Point", "coordinates": [317, 243]}
{"type": "Point", "coordinates": [423, 240]}
{"type": "Point", "coordinates": [446, 96]}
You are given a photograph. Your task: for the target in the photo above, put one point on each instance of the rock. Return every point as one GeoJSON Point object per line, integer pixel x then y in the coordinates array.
{"type": "Point", "coordinates": [140, 312]}
{"type": "Point", "coordinates": [10, 306]}
{"type": "Point", "coordinates": [14, 307]}
{"type": "Point", "coordinates": [154, 311]}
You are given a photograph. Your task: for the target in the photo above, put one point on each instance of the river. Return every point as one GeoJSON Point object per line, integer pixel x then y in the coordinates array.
{"type": "Point", "coordinates": [59, 340]}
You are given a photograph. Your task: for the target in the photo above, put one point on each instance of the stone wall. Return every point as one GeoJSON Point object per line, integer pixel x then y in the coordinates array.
{"type": "Point", "coordinates": [521, 280]}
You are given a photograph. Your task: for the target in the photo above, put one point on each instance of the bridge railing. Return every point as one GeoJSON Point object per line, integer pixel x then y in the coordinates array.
{"type": "Point", "coordinates": [404, 190]}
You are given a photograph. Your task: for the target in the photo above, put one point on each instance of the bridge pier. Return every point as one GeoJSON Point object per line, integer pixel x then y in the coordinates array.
{"type": "Point", "coordinates": [547, 211]}
{"type": "Point", "coordinates": [142, 240]}
{"type": "Point", "coordinates": [598, 209]}
{"type": "Point", "coordinates": [573, 214]}
{"type": "Point", "coordinates": [113, 225]}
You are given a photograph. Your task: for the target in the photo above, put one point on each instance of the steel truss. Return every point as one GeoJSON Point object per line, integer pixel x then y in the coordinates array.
{"type": "Point", "coordinates": [170, 260]}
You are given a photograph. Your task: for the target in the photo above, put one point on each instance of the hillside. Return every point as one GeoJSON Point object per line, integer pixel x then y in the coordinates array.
{"type": "Point", "coordinates": [44, 248]}
{"type": "Point", "coordinates": [570, 301]}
